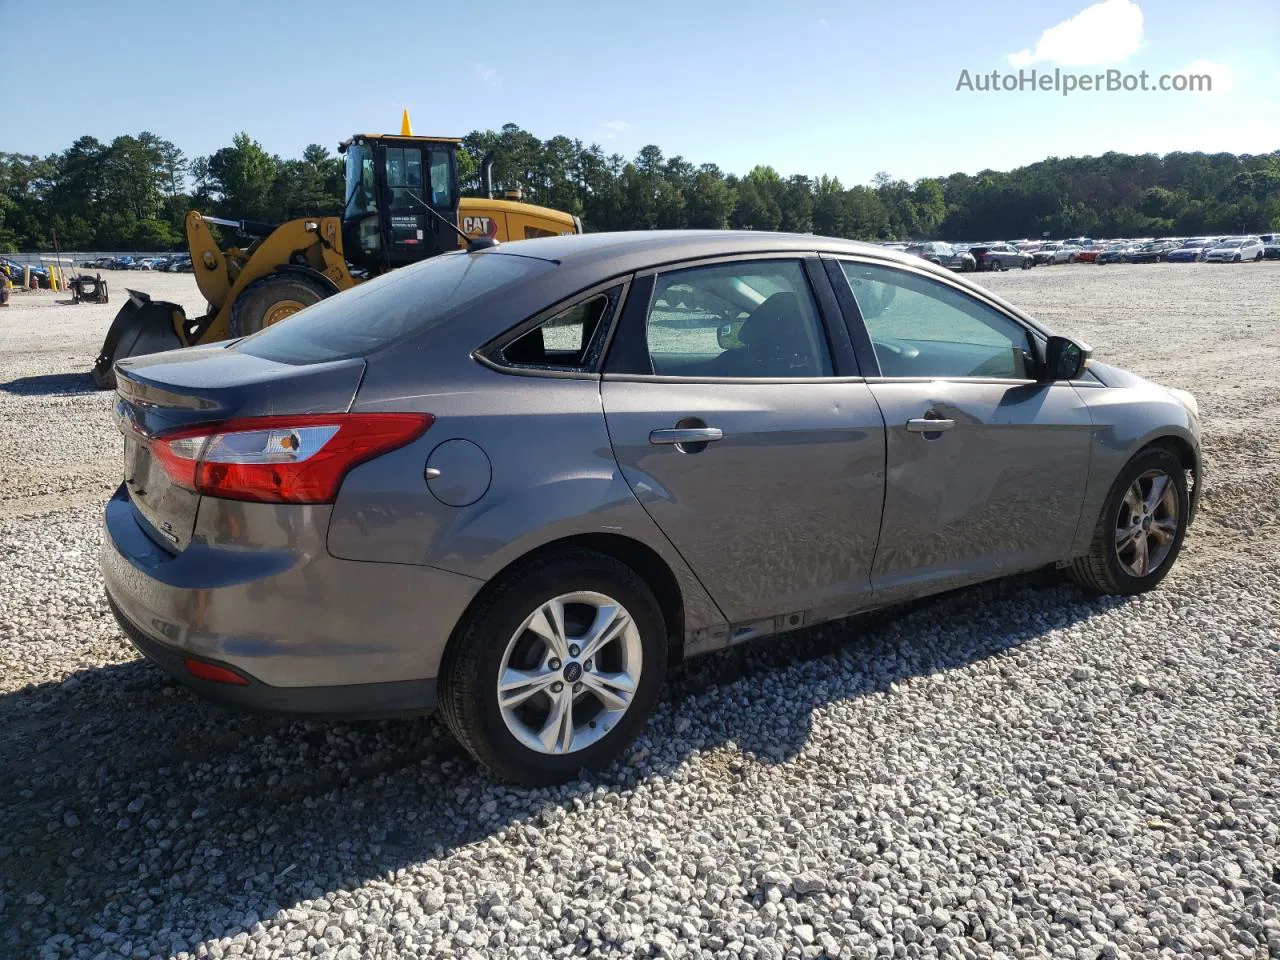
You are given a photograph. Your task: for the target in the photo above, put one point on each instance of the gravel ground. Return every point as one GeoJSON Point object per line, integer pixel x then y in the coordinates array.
{"type": "Point", "coordinates": [1014, 770]}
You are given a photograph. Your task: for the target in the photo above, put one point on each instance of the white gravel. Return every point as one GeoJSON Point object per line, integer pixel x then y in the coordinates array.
{"type": "Point", "coordinates": [1015, 770]}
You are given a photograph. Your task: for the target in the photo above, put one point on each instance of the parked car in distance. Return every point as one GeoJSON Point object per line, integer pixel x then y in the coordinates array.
{"type": "Point", "coordinates": [1088, 254]}
{"type": "Point", "coordinates": [1191, 250]}
{"type": "Point", "coordinates": [1235, 250]}
{"type": "Point", "coordinates": [1000, 256]}
{"type": "Point", "coordinates": [1116, 253]}
{"type": "Point", "coordinates": [1271, 250]}
{"type": "Point", "coordinates": [1151, 252]}
{"type": "Point", "coordinates": [353, 511]}
{"type": "Point", "coordinates": [1052, 253]}
{"type": "Point", "coordinates": [944, 255]}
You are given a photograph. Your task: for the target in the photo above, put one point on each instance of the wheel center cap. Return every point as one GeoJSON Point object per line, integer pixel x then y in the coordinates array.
{"type": "Point", "coordinates": [572, 671]}
{"type": "Point", "coordinates": [1146, 523]}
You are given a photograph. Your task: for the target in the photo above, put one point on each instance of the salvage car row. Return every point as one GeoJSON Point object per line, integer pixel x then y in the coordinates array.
{"type": "Point", "coordinates": [178, 263]}
{"type": "Point", "coordinates": [1002, 255]}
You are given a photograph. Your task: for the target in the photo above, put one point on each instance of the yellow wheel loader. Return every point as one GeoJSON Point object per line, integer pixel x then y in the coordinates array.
{"type": "Point", "coordinates": [402, 206]}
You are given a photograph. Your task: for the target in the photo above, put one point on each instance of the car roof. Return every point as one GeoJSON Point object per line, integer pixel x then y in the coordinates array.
{"type": "Point", "coordinates": [639, 249]}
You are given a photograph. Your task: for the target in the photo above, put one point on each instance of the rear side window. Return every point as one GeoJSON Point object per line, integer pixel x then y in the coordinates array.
{"type": "Point", "coordinates": [374, 314]}
{"type": "Point", "coordinates": [755, 318]}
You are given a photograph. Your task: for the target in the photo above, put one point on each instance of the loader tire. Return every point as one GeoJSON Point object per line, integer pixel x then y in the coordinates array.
{"type": "Point", "coordinates": [271, 298]}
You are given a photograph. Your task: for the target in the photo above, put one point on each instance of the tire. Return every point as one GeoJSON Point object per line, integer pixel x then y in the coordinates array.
{"type": "Point", "coordinates": [996, 266]}
{"type": "Point", "coordinates": [492, 639]}
{"type": "Point", "coordinates": [1103, 570]}
{"type": "Point", "coordinates": [1236, 259]}
{"type": "Point", "coordinates": [271, 298]}
{"type": "Point", "coordinates": [1258, 258]}
{"type": "Point", "coordinates": [1027, 264]}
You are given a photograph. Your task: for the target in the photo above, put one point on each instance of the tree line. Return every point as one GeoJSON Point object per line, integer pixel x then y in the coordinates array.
{"type": "Point", "coordinates": [134, 192]}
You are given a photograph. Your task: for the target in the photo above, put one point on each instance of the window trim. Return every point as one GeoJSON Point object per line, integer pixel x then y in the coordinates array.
{"type": "Point", "coordinates": [861, 335]}
{"type": "Point", "coordinates": [489, 354]}
{"type": "Point", "coordinates": [628, 353]}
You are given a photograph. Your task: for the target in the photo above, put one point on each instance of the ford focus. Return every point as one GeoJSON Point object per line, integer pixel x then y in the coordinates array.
{"type": "Point", "coordinates": [515, 485]}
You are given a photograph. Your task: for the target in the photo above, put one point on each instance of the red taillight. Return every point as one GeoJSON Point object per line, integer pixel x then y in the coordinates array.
{"type": "Point", "coordinates": [283, 459]}
{"type": "Point", "coordinates": [213, 673]}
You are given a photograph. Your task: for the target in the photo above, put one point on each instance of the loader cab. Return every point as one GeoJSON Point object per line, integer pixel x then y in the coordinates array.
{"type": "Point", "coordinates": [389, 183]}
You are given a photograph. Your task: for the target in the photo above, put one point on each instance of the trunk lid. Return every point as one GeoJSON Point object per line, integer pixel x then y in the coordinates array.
{"type": "Point", "coordinates": [185, 388]}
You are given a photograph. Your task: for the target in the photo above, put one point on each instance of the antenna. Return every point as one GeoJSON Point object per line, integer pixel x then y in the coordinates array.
{"type": "Point", "coordinates": [474, 244]}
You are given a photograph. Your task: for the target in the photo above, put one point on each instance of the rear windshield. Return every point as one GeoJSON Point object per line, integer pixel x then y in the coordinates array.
{"type": "Point", "coordinates": [374, 314]}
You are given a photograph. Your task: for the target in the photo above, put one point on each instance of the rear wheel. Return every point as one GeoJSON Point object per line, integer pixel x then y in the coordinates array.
{"type": "Point", "coordinates": [1140, 532]}
{"type": "Point", "coordinates": [272, 298]}
{"type": "Point", "coordinates": [996, 265]}
{"type": "Point", "coordinates": [557, 669]}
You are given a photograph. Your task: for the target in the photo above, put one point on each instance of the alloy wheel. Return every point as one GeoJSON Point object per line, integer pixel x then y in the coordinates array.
{"type": "Point", "coordinates": [1147, 524]}
{"type": "Point", "coordinates": [569, 673]}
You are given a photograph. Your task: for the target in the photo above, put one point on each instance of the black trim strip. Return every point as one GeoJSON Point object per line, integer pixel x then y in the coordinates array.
{"type": "Point", "coordinates": [843, 358]}
{"type": "Point", "coordinates": [854, 324]}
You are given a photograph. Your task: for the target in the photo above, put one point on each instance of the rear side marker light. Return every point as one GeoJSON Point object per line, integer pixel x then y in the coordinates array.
{"type": "Point", "coordinates": [213, 673]}
{"type": "Point", "coordinates": [284, 459]}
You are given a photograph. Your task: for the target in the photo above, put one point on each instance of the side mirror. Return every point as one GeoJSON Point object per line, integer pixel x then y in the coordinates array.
{"type": "Point", "coordinates": [727, 335]}
{"type": "Point", "coordinates": [1065, 359]}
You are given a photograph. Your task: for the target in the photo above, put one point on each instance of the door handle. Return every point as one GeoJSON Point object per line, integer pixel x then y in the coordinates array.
{"type": "Point", "coordinates": [927, 425]}
{"type": "Point", "coordinates": [679, 435]}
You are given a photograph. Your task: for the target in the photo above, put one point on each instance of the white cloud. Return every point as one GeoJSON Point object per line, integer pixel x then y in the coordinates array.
{"type": "Point", "coordinates": [488, 75]}
{"type": "Point", "coordinates": [1105, 33]}
{"type": "Point", "coordinates": [612, 128]}
{"type": "Point", "coordinates": [822, 22]}
{"type": "Point", "coordinates": [1222, 77]}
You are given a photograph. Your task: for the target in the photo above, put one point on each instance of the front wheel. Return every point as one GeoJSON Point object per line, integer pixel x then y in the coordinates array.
{"type": "Point", "coordinates": [1028, 264]}
{"type": "Point", "coordinates": [272, 298]}
{"type": "Point", "coordinates": [1140, 532]}
{"type": "Point", "coordinates": [557, 669]}
{"type": "Point", "coordinates": [996, 266]}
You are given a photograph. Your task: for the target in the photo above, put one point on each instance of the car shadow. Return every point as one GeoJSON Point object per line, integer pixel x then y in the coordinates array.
{"type": "Point", "coordinates": [52, 384]}
{"type": "Point", "coordinates": [117, 780]}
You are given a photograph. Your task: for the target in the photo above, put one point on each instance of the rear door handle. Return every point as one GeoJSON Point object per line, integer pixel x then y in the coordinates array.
{"type": "Point", "coordinates": [678, 435]}
{"type": "Point", "coordinates": [926, 425]}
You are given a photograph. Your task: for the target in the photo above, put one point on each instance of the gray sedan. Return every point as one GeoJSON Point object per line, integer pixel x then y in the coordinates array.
{"type": "Point", "coordinates": [517, 484]}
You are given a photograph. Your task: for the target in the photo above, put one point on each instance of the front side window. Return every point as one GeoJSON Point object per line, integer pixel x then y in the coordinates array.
{"type": "Point", "coordinates": [750, 319]}
{"type": "Point", "coordinates": [921, 327]}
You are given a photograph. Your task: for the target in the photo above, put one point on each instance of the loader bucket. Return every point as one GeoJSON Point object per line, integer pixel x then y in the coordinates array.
{"type": "Point", "coordinates": [142, 326]}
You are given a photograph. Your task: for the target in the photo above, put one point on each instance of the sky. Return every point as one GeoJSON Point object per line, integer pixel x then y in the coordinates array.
{"type": "Point", "coordinates": [841, 88]}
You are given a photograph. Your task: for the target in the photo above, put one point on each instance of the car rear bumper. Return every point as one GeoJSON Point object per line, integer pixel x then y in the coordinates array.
{"type": "Point", "coordinates": [399, 698]}
{"type": "Point", "coordinates": [311, 634]}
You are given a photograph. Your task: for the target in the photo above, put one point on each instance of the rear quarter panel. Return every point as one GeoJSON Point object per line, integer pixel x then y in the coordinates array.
{"type": "Point", "coordinates": [553, 475]}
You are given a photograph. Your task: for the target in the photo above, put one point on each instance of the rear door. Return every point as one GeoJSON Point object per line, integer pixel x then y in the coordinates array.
{"type": "Point", "coordinates": [741, 424]}
{"type": "Point", "coordinates": [986, 465]}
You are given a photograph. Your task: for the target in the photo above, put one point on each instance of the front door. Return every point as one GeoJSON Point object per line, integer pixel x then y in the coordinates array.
{"type": "Point", "coordinates": [986, 465]}
{"type": "Point", "coordinates": [761, 466]}
{"type": "Point", "coordinates": [419, 175]}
